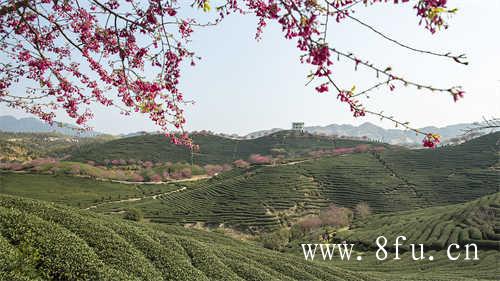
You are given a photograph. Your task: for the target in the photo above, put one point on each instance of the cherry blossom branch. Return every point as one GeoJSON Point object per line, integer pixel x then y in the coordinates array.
{"type": "Point", "coordinates": [457, 58]}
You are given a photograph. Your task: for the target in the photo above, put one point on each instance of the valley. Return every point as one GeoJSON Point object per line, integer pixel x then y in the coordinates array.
{"type": "Point", "coordinates": [247, 222]}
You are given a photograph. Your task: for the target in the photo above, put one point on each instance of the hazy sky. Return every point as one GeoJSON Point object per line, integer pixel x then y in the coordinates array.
{"type": "Point", "coordinates": [242, 85]}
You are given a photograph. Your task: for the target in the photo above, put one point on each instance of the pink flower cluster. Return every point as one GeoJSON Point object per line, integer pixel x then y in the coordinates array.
{"type": "Point", "coordinates": [133, 52]}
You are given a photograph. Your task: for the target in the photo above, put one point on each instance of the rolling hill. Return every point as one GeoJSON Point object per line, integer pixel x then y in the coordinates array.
{"type": "Point", "coordinates": [46, 241]}
{"type": "Point", "coordinates": [27, 146]}
{"type": "Point", "coordinates": [213, 149]}
{"type": "Point", "coordinates": [437, 196]}
{"type": "Point", "coordinates": [475, 221]}
{"type": "Point", "coordinates": [75, 191]}
{"type": "Point", "coordinates": [269, 197]}
{"type": "Point", "coordinates": [40, 241]}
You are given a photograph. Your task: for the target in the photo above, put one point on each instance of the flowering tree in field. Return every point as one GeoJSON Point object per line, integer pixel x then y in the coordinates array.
{"type": "Point", "coordinates": [242, 164]}
{"type": "Point", "coordinates": [66, 55]}
{"type": "Point", "coordinates": [259, 159]}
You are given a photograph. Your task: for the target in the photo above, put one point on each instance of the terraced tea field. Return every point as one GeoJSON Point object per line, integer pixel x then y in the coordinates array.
{"type": "Point", "coordinates": [468, 169]}
{"type": "Point", "coordinates": [74, 191]}
{"type": "Point", "coordinates": [410, 192]}
{"type": "Point", "coordinates": [40, 241]}
{"type": "Point", "coordinates": [236, 199]}
{"type": "Point", "coordinates": [268, 197]}
{"type": "Point", "coordinates": [476, 222]}
{"type": "Point", "coordinates": [213, 149]}
{"type": "Point", "coordinates": [441, 268]}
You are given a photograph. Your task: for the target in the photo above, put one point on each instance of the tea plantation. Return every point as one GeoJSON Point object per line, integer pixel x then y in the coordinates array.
{"type": "Point", "coordinates": [434, 197]}
{"type": "Point", "coordinates": [268, 197]}
{"type": "Point", "coordinates": [74, 191]}
{"type": "Point", "coordinates": [213, 149]}
{"type": "Point", "coordinates": [44, 241]}
{"type": "Point", "coordinates": [476, 222]}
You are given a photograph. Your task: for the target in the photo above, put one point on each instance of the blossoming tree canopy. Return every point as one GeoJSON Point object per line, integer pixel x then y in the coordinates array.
{"type": "Point", "coordinates": [68, 54]}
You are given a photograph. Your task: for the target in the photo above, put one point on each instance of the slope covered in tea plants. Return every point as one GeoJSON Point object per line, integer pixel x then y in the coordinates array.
{"type": "Point", "coordinates": [74, 191]}
{"type": "Point", "coordinates": [42, 241]}
{"type": "Point", "coordinates": [476, 222]}
{"type": "Point", "coordinates": [267, 197]}
{"type": "Point", "coordinates": [213, 149]}
{"type": "Point", "coordinates": [450, 174]}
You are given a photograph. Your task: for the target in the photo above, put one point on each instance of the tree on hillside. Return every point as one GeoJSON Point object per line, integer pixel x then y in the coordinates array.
{"type": "Point", "coordinates": [362, 210]}
{"type": "Point", "coordinates": [66, 55]}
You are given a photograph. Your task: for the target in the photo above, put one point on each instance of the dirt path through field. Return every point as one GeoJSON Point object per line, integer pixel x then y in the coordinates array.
{"type": "Point", "coordinates": [193, 178]}
{"type": "Point", "coordinates": [137, 198]}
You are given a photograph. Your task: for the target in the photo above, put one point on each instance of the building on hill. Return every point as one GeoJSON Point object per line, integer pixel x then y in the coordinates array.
{"type": "Point", "coordinates": [298, 126]}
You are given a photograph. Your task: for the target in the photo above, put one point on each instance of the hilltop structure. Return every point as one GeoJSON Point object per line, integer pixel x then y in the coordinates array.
{"type": "Point", "coordinates": [298, 126]}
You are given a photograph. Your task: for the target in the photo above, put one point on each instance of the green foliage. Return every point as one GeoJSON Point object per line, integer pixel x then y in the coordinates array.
{"type": "Point", "coordinates": [435, 227]}
{"type": "Point", "coordinates": [276, 240]}
{"type": "Point", "coordinates": [213, 149]}
{"type": "Point", "coordinates": [271, 197]}
{"type": "Point", "coordinates": [27, 146]}
{"type": "Point", "coordinates": [133, 214]}
{"type": "Point", "coordinates": [63, 243]}
{"type": "Point", "coordinates": [44, 241]}
{"type": "Point", "coordinates": [73, 191]}
{"type": "Point", "coordinates": [17, 264]}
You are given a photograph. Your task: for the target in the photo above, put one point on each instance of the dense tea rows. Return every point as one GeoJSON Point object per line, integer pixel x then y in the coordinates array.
{"type": "Point", "coordinates": [437, 227]}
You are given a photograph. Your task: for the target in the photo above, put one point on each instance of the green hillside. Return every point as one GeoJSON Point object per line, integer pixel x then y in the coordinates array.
{"type": "Point", "coordinates": [261, 197]}
{"type": "Point", "coordinates": [44, 241]}
{"type": "Point", "coordinates": [450, 174]}
{"type": "Point", "coordinates": [410, 192]}
{"type": "Point", "coordinates": [74, 191]}
{"type": "Point", "coordinates": [477, 222]}
{"type": "Point", "coordinates": [27, 146]}
{"type": "Point", "coordinates": [41, 241]}
{"type": "Point", "coordinates": [213, 149]}
{"type": "Point", "coordinates": [268, 197]}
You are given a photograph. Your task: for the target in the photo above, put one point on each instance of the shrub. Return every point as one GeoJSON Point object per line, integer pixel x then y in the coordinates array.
{"type": "Point", "coordinates": [297, 232]}
{"type": "Point", "coordinates": [336, 216]}
{"type": "Point", "coordinates": [361, 148]}
{"type": "Point", "coordinates": [226, 167]}
{"type": "Point", "coordinates": [259, 159]}
{"type": "Point", "coordinates": [156, 178]}
{"type": "Point", "coordinates": [75, 169]}
{"type": "Point", "coordinates": [137, 177]}
{"type": "Point", "coordinates": [310, 223]}
{"type": "Point", "coordinates": [176, 175]}
{"type": "Point", "coordinates": [14, 166]}
{"type": "Point", "coordinates": [362, 210]}
{"type": "Point", "coordinates": [186, 173]}
{"type": "Point", "coordinates": [343, 150]}
{"type": "Point", "coordinates": [212, 170]}
{"type": "Point", "coordinates": [133, 214]}
{"type": "Point", "coordinates": [242, 164]}
{"type": "Point", "coordinates": [147, 174]}
{"type": "Point", "coordinates": [378, 149]}
{"type": "Point", "coordinates": [276, 240]}
{"type": "Point", "coordinates": [40, 162]}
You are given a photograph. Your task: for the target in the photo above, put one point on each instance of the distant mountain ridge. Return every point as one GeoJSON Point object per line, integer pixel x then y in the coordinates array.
{"type": "Point", "coordinates": [33, 125]}
{"type": "Point", "coordinates": [374, 132]}
{"type": "Point", "coordinates": [367, 129]}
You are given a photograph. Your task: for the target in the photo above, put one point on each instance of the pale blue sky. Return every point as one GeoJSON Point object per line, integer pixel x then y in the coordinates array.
{"type": "Point", "coordinates": [242, 85]}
